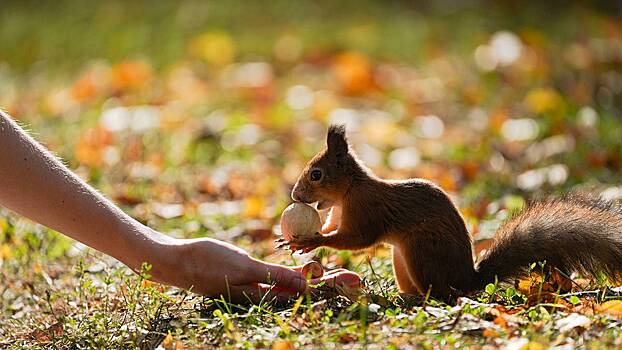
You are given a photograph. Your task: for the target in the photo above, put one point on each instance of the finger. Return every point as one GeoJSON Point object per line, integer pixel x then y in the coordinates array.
{"type": "Point", "coordinates": [342, 277]}
{"type": "Point", "coordinates": [336, 271]}
{"type": "Point", "coordinates": [280, 276]}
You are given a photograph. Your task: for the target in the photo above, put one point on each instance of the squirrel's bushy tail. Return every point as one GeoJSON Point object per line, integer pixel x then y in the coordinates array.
{"type": "Point", "coordinates": [572, 234]}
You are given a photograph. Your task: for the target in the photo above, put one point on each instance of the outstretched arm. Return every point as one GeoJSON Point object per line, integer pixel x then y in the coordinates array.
{"type": "Point", "coordinates": [35, 184]}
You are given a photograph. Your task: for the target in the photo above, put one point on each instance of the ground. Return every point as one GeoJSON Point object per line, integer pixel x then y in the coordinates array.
{"type": "Point", "coordinates": [196, 118]}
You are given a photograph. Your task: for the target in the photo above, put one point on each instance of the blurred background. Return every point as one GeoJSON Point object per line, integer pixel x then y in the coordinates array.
{"type": "Point", "coordinates": [198, 116]}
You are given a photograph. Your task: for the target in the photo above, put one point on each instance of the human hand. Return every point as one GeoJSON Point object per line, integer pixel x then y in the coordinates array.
{"type": "Point", "coordinates": [214, 268]}
{"type": "Point", "coordinates": [334, 282]}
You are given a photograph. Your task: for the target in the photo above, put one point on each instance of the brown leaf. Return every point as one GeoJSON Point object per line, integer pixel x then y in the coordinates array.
{"type": "Point", "coordinates": [348, 338]}
{"type": "Point", "coordinates": [48, 334]}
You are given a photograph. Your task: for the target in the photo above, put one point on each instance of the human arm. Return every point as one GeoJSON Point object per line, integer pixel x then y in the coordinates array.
{"type": "Point", "coordinates": [35, 184]}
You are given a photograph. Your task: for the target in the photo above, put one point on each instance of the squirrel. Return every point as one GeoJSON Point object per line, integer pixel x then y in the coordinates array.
{"type": "Point", "coordinates": [431, 246]}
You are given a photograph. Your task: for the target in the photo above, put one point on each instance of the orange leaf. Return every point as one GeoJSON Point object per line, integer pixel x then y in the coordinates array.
{"type": "Point", "coordinates": [130, 74]}
{"type": "Point", "coordinates": [283, 345]}
{"type": "Point", "coordinates": [353, 71]}
{"type": "Point", "coordinates": [490, 333]}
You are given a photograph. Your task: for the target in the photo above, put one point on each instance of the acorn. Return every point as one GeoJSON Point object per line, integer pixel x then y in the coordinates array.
{"type": "Point", "coordinates": [300, 220]}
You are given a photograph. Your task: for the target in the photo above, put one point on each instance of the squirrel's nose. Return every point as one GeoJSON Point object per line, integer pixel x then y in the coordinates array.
{"type": "Point", "coordinates": [296, 193]}
{"type": "Point", "coordinates": [295, 196]}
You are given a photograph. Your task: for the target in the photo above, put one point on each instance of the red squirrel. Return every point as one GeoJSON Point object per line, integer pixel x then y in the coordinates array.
{"type": "Point", "coordinates": [432, 248]}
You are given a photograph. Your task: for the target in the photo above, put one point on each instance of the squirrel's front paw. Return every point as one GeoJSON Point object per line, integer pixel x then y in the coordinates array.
{"type": "Point", "coordinates": [305, 244]}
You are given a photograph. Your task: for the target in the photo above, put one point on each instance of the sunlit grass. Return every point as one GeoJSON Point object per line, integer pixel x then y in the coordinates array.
{"type": "Point", "coordinates": [197, 117]}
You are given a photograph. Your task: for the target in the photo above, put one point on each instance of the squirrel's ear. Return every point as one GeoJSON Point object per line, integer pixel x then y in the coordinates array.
{"type": "Point", "coordinates": [336, 140]}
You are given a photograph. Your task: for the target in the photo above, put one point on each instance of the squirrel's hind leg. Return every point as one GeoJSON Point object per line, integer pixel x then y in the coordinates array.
{"type": "Point", "coordinates": [431, 266]}
{"type": "Point", "coordinates": [404, 281]}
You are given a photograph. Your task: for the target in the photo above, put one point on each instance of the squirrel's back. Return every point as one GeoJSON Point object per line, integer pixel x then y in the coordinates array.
{"type": "Point", "coordinates": [409, 205]}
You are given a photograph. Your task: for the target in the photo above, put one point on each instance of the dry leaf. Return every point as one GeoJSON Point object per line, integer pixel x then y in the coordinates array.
{"type": "Point", "coordinates": [353, 71]}
{"type": "Point", "coordinates": [283, 345]}
{"type": "Point", "coordinates": [130, 74]}
{"type": "Point", "coordinates": [216, 48]}
{"type": "Point", "coordinates": [611, 307]}
{"type": "Point", "coordinates": [48, 334]}
{"type": "Point", "coordinates": [490, 333]}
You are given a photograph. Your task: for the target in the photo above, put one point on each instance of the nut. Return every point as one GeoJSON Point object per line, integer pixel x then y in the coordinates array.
{"type": "Point", "coordinates": [299, 220]}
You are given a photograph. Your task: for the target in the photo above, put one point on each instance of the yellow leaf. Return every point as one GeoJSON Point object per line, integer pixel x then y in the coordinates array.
{"type": "Point", "coordinates": [5, 252]}
{"type": "Point", "coordinates": [612, 307]}
{"type": "Point", "coordinates": [216, 48]}
{"type": "Point", "coordinates": [254, 207]}
{"type": "Point", "coordinates": [4, 224]}
{"type": "Point", "coordinates": [167, 342]}
{"type": "Point", "coordinates": [542, 100]}
{"type": "Point", "coordinates": [533, 346]}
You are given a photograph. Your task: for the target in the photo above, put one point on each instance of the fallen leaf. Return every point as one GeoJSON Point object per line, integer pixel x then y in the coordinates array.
{"type": "Point", "coordinates": [254, 207]}
{"type": "Point", "coordinates": [611, 307]}
{"type": "Point", "coordinates": [167, 343]}
{"type": "Point", "coordinates": [283, 345]}
{"type": "Point", "coordinates": [533, 346]}
{"type": "Point", "coordinates": [353, 72]}
{"type": "Point", "coordinates": [130, 74]}
{"type": "Point", "coordinates": [48, 334]}
{"type": "Point", "coordinates": [543, 100]}
{"type": "Point", "coordinates": [348, 338]}
{"type": "Point", "coordinates": [490, 333]}
{"type": "Point", "coordinates": [215, 47]}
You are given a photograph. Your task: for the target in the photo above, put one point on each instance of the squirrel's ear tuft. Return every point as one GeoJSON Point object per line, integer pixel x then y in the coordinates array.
{"type": "Point", "coordinates": [336, 139]}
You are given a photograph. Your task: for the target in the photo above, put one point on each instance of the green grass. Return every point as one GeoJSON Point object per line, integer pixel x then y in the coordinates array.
{"type": "Point", "coordinates": [55, 293]}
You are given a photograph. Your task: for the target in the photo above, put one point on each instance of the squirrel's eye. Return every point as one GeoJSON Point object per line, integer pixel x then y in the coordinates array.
{"type": "Point", "coordinates": [315, 175]}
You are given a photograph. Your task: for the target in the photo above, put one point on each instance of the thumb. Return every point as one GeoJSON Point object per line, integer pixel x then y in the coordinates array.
{"type": "Point", "coordinates": [280, 276]}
